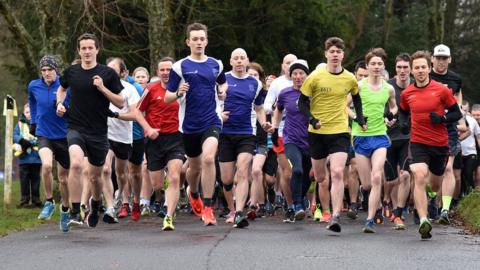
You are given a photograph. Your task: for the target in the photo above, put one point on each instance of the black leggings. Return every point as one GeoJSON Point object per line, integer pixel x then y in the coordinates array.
{"type": "Point", "coordinates": [468, 170]}
{"type": "Point", "coordinates": [30, 182]}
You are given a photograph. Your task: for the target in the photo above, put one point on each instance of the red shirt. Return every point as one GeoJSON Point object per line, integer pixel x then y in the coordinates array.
{"type": "Point", "coordinates": [159, 114]}
{"type": "Point", "coordinates": [421, 101]}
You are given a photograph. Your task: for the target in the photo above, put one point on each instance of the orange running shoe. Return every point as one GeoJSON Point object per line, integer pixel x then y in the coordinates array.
{"type": "Point", "coordinates": [399, 224]}
{"type": "Point", "coordinates": [326, 217]}
{"type": "Point", "coordinates": [124, 211]}
{"type": "Point", "coordinates": [197, 204]}
{"type": "Point", "coordinates": [136, 212]}
{"type": "Point", "coordinates": [208, 217]}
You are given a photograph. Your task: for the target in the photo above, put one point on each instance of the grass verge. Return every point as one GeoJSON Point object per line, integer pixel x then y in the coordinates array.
{"type": "Point", "coordinates": [469, 210]}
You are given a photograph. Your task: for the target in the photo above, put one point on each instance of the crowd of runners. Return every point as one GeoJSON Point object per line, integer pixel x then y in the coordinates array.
{"type": "Point", "coordinates": [315, 142]}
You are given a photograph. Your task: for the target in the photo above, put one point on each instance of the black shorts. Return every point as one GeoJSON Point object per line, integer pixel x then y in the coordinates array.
{"type": "Point", "coordinates": [59, 148]}
{"type": "Point", "coordinates": [95, 147]}
{"type": "Point", "coordinates": [271, 163]}
{"type": "Point", "coordinates": [193, 142]}
{"type": "Point", "coordinates": [231, 145]}
{"type": "Point", "coordinates": [322, 145]}
{"type": "Point", "coordinates": [436, 157]}
{"type": "Point", "coordinates": [121, 150]}
{"type": "Point", "coordinates": [138, 150]}
{"type": "Point", "coordinates": [458, 161]}
{"type": "Point", "coordinates": [397, 156]}
{"type": "Point", "coordinates": [164, 148]}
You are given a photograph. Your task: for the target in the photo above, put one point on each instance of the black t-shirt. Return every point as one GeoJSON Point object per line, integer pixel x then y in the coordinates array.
{"type": "Point", "coordinates": [88, 106]}
{"type": "Point", "coordinates": [454, 82]}
{"type": "Point", "coordinates": [395, 132]}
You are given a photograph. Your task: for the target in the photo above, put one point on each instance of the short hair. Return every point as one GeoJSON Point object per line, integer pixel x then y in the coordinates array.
{"type": "Point", "coordinates": [196, 27]}
{"type": "Point", "coordinates": [334, 41]}
{"type": "Point", "coordinates": [141, 69]}
{"type": "Point", "coordinates": [421, 54]}
{"type": "Point", "coordinates": [88, 36]}
{"type": "Point", "coordinates": [259, 69]}
{"type": "Point", "coordinates": [376, 52]}
{"type": "Point", "coordinates": [26, 105]}
{"type": "Point", "coordinates": [475, 107]}
{"type": "Point", "coordinates": [360, 64]}
{"type": "Point", "coordinates": [403, 57]}
{"type": "Point", "coordinates": [166, 59]}
{"type": "Point", "coordinates": [121, 63]}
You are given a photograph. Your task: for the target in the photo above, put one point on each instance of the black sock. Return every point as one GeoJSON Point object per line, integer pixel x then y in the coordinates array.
{"type": "Point", "coordinates": [95, 205]}
{"type": "Point", "coordinates": [64, 209]}
{"type": "Point", "coordinates": [195, 195]}
{"type": "Point", "coordinates": [75, 208]}
{"type": "Point", "coordinates": [49, 200]}
{"type": "Point", "coordinates": [207, 202]}
{"type": "Point", "coordinates": [398, 212]}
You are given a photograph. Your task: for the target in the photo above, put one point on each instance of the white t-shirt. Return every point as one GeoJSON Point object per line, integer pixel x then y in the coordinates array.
{"type": "Point", "coordinates": [276, 87]}
{"type": "Point", "coordinates": [119, 130]}
{"type": "Point", "coordinates": [468, 145]}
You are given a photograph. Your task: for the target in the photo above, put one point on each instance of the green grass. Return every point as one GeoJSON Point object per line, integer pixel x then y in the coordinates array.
{"type": "Point", "coordinates": [469, 209]}
{"type": "Point", "coordinates": [17, 219]}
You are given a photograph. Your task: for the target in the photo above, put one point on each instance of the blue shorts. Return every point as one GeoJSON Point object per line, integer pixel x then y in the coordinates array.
{"type": "Point", "coordinates": [365, 146]}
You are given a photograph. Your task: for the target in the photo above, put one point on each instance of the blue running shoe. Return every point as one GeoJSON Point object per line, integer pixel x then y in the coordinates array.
{"type": "Point", "coordinates": [64, 221]}
{"type": "Point", "coordinates": [47, 211]}
{"type": "Point", "coordinates": [369, 226]}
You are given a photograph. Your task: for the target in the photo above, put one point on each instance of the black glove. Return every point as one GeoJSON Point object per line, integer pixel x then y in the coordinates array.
{"type": "Point", "coordinates": [389, 116]}
{"type": "Point", "coordinates": [112, 114]}
{"type": "Point", "coordinates": [361, 121]}
{"type": "Point", "coordinates": [33, 128]}
{"type": "Point", "coordinates": [436, 119]}
{"type": "Point", "coordinates": [24, 144]}
{"type": "Point", "coordinates": [313, 121]}
{"type": "Point", "coordinates": [275, 137]}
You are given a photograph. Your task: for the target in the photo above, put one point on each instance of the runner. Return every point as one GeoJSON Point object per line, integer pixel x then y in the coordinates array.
{"type": "Point", "coordinates": [427, 100]}
{"type": "Point", "coordinates": [92, 87]}
{"type": "Point", "coordinates": [200, 116]}
{"type": "Point", "coordinates": [51, 131]}
{"type": "Point", "coordinates": [323, 93]}
{"type": "Point", "coordinates": [237, 139]}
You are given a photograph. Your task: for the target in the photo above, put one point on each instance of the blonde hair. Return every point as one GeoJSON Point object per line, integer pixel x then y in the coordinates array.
{"type": "Point", "coordinates": [141, 69]}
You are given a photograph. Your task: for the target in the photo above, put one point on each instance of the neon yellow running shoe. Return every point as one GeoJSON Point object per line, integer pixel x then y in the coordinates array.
{"type": "Point", "coordinates": [168, 224]}
{"type": "Point", "coordinates": [318, 213]}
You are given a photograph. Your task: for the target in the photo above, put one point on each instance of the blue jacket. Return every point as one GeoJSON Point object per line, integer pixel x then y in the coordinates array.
{"type": "Point", "coordinates": [137, 129]}
{"type": "Point", "coordinates": [21, 131]}
{"type": "Point", "coordinates": [42, 99]}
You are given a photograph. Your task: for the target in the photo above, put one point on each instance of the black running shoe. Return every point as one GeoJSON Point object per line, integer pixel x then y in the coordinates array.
{"type": "Point", "coordinates": [92, 219]}
{"type": "Point", "coordinates": [240, 220]}
{"type": "Point", "coordinates": [75, 219]}
{"type": "Point", "coordinates": [334, 224]}
{"type": "Point", "coordinates": [224, 212]}
{"type": "Point", "coordinates": [289, 216]}
{"type": "Point", "coordinates": [353, 211]}
{"type": "Point", "coordinates": [433, 209]}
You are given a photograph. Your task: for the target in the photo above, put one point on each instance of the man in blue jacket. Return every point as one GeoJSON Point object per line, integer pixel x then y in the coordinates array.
{"type": "Point", "coordinates": [51, 131]}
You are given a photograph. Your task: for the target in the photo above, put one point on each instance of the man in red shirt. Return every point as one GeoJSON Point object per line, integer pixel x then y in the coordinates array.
{"type": "Point", "coordinates": [166, 149]}
{"type": "Point", "coordinates": [427, 100]}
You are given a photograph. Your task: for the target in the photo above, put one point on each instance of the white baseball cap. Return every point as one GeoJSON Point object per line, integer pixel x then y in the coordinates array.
{"type": "Point", "coordinates": [441, 50]}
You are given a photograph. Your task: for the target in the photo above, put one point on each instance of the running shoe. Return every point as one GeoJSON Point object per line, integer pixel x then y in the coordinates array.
{"type": "Point", "coordinates": [64, 220]}
{"type": "Point", "coordinates": [317, 216]}
{"type": "Point", "coordinates": [425, 229]}
{"type": "Point", "coordinates": [230, 217]}
{"type": "Point", "coordinates": [47, 211]}
{"type": "Point", "coordinates": [76, 219]}
{"type": "Point", "coordinates": [269, 209]}
{"type": "Point", "coordinates": [83, 212]}
{"type": "Point", "coordinates": [334, 224]}
{"type": "Point", "coordinates": [117, 201]}
{"type": "Point", "coordinates": [109, 216]}
{"type": "Point", "coordinates": [398, 224]}
{"type": "Point", "coordinates": [240, 221]}
{"type": "Point", "coordinates": [224, 212]}
{"type": "Point", "coordinates": [124, 211]}
{"type": "Point", "coordinates": [163, 212]}
{"type": "Point", "coordinates": [326, 217]}
{"type": "Point", "coordinates": [136, 212]}
{"type": "Point", "coordinates": [379, 216]}
{"type": "Point", "coordinates": [369, 226]}
{"type": "Point", "coordinates": [353, 211]}
{"type": "Point", "coordinates": [168, 223]}
{"type": "Point", "coordinates": [261, 212]}
{"type": "Point", "coordinates": [197, 204]}
{"type": "Point", "coordinates": [208, 217]}
{"type": "Point", "coordinates": [387, 210]}
{"type": "Point", "coordinates": [279, 201]}
{"type": "Point", "coordinates": [344, 206]}
{"type": "Point", "coordinates": [92, 219]}
{"type": "Point", "coordinates": [299, 214]}
{"type": "Point", "coordinates": [433, 209]}
{"type": "Point", "coordinates": [444, 219]}
{"type": "Point", "coordinates": [252, 213]}
{"type": "Point", "coordinates": [289, 216]}
{"type": "Point", "coordinates": [145, 212]}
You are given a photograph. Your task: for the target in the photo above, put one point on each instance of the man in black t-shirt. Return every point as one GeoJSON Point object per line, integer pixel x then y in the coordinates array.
{"type": "Point", "coordinates": [442, 74]}
{"type": "Point", "coordinates": [92, 87]}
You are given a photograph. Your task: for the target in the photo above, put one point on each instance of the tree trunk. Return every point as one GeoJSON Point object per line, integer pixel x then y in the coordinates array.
{"type": "Point", "coordinates": [387, 26]}
{"type": "Point", "coordinates": [449, 25]}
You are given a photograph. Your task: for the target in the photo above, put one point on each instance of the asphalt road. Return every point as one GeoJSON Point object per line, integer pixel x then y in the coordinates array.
{"type": "Point", "coordinates": [266, 244]}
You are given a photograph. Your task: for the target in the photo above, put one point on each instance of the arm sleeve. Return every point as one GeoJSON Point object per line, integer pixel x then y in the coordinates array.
{"type": "Point", "coordinates": [174, 78]}
{"type": "Point", "coordinates": [221, 79]}
{"type": "Point", "coordinates": [32, 103]}
{"type": "Point", "coordinates": [64, 79]}
{"type": "Point", "coordinates": [453, 114]}
{"type": "Point", "coordinates": [357, 103]}
{"type": "Point", "coordinates": [270, 98]}
{"type": "Point", "coordinates": [304, 106]}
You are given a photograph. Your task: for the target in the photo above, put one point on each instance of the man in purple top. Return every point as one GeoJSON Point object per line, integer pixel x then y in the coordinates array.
{"type": "Point", "coordinates": [295, 139]}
